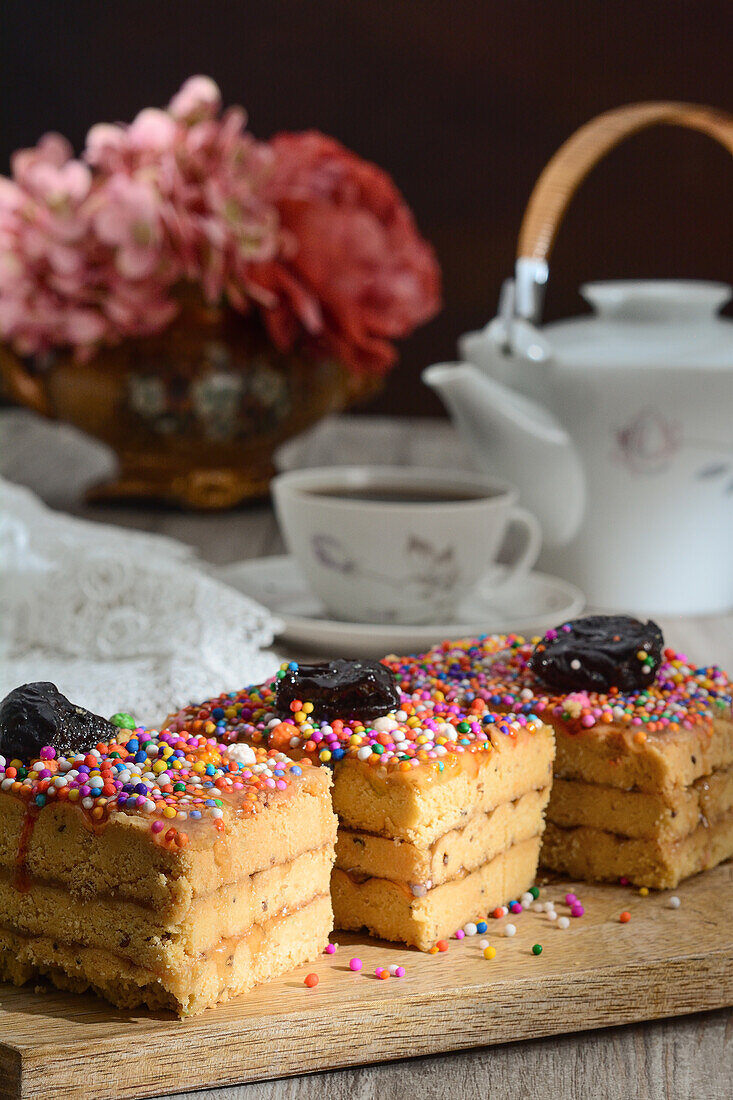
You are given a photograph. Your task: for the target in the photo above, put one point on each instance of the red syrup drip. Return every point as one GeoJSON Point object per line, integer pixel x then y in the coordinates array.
{"type": "Point", "coordinates": [22, 880]}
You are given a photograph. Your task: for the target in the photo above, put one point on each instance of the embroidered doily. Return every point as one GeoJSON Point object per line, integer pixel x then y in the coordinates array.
{"type": "Point", "coordinates": [118, 619]}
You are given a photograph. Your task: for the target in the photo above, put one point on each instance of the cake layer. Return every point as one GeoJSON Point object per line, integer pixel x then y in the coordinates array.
{"type": "Point", "coordinates": [653, 741]}
{"type": "Point", "coordinates": [122, 859]}
{"type": "Point", "coordinates": [630, 758]}
{"type": "Point", "coordinates": [422, 804]}
{"type": "Point", "coordinates": [389, 909]}
{"type": "Point", "coordinates": [145, 935]}
{"type": "Point", "coordinates": [414, 788]}
{"type": "Point", "coordinates": [666, 817]}
{"type": "Point", "coordinates": [232, 967]}
{"type": "Point", "coordinates": [585, 853]}
{"type": "Point", "coordinates": [483, 836]}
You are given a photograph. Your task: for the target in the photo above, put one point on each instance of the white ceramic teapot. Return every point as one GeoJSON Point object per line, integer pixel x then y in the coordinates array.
{"type": "Point", "coordinates": [617, 427]}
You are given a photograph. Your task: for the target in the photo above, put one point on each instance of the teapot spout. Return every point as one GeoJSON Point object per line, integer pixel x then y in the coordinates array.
{"type": "Point", "coordinates": [513, 437]}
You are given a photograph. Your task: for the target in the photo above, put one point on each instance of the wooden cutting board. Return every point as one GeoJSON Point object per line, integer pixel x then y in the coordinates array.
{"type": "Point", "coordinates": [599, 972]}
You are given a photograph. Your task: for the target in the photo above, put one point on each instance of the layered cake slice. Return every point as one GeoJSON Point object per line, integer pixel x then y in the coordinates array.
{"type": "Point", "coordinates": [441, 809]}
{"type": "Point", "coordinates": [643, 784]}
{"type": "Point", "coordinates": [155, 868]}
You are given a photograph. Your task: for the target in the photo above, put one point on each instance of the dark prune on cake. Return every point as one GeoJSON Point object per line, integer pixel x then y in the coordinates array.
{"type": "Point", "coordinates": [599, 652]}
{"type": "Point", "coordinates": [36, 715]}
{"type": "Point", "coordinates": [338, 689]}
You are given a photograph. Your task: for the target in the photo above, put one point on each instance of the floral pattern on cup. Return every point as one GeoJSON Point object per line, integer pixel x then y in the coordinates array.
{"type": "Point", "coordinates": [429, 573]}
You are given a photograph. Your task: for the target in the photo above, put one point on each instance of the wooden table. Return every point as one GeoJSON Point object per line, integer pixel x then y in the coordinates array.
{"type": "Point", "coordinates": [675, 1059]}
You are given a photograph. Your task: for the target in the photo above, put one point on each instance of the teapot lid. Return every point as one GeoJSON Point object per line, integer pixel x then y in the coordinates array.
{"type": "Point", "coordinates": [647, 323]}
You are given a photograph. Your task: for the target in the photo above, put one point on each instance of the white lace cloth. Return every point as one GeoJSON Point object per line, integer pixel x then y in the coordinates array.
{"type": "Point", "coordinates": [118, 619]}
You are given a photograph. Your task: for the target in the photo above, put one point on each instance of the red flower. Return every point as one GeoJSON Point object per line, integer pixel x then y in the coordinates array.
{"type": "Point", "coordinates": [354, 272]}
{"type": "Point", "coordinates": [320, 242]}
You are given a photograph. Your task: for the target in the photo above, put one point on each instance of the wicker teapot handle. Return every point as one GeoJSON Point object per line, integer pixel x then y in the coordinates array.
{"type": "Point", "coordinates": [571, 164]}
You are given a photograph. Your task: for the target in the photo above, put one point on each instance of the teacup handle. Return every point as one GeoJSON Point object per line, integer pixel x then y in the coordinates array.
{"type": "Point", "coordinates": [570, 165]}
{"type": "Point", "coordinates": [530, 532]}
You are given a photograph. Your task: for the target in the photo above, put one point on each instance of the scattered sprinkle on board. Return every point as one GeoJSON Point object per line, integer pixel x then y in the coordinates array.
{"type": "Point", "coordinates": [54, 1044]}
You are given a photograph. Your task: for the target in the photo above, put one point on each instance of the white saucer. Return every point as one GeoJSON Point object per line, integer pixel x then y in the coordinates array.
{"type": "Point", "coordinates": [529, 606]}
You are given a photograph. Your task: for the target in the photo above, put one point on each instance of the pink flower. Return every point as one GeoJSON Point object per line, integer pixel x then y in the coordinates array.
{"type": "Point", "coordinates": [105, 146]}
{"type": "Point", "coordinates": [84, 327]}
{"type": "Point", "coordinates": [152, 132]}
{"type": "Point", "coordinates": [52, 149]}
{"type": "Point", "coordinates": [202, 175]}
{"type": "Point", "coordinates": [128, 217]}
{"type": "Point", "coordinates": [199, 98]}
{"type": "Point", "coordinates": [358, 260]}
{"type": "Point", "coordinates": [48, 285]}
{"type": "Point", "coordinates": [92, 251]}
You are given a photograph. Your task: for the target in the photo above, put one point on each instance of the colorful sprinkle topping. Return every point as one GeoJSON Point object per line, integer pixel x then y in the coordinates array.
{"type": "Point", "coordinates": [427, 728]}
{"type": "Point", "coordinates": [493, 672]}
{"type": "Point", "coordinates": [174, 779]}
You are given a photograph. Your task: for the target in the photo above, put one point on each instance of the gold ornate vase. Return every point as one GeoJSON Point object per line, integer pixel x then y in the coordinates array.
{"type": "Point", "coordinates": [194, 414]}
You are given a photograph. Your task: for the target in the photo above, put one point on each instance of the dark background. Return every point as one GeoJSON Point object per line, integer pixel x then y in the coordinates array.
{"type": "Point", "coordinates": [463, 101]}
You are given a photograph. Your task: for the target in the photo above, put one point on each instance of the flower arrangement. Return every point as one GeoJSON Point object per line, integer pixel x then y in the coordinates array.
{"type": "Point", "coordinates": [299, 230]}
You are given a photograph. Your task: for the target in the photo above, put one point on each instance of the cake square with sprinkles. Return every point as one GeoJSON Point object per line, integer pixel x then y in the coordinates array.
{"type": "Point", "coordinates": [178, 868]}
{"type": "Point", "coordinates": [643, 776]}
{"type": "Point", "coordinates": [155, 868]}
{"type": "Point", "coordinates": [441, 807]}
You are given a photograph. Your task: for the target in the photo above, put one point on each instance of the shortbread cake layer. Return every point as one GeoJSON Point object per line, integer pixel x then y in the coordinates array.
{"type": "Point", "coordinates": [144, 934]}
{"type": "Point", "coordinates": [631, 758]}
{"type": "Point", "coordinates": [466, 848]}
{"type": "Point", "coordinates": [667, 817]}
{"type": "Point", "coordinates": [421, 805]}
{"type": "Point", "coordinates": [440, 806]}
{"type": "Point", "coordinates": [594, 854]}
{"type": "Point", "coordinates": [122, 859]}
{"type": "Point", "coordinates": [391, 911]}
{"type": "Point", "coordinates": [233, 966]}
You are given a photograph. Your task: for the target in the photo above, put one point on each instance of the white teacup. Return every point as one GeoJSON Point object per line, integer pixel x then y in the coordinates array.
{"type": "Point", "coordinates": [383, 544]}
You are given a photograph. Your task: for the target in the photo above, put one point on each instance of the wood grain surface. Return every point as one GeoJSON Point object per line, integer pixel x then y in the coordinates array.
{"type": "Point", "coordinates": [672, 1059]}
{"type": "Point", "coordinates": [668, 1058]}
{"type": "Point", "coordinates": [596, 973]}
